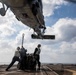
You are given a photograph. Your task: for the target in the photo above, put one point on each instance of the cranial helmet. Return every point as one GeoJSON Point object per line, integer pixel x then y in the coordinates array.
{"type": "Point", "coordinates": [18, 48]}
{"type": "Point", "coordinates": [39, 45]}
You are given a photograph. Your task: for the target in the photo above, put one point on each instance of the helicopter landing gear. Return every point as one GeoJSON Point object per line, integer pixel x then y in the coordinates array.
{"type": "Point", "coordinates": [3, 11]}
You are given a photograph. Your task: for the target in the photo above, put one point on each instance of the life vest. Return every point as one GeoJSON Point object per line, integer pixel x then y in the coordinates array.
{"type": "Point", "coordinates": [38, 51]}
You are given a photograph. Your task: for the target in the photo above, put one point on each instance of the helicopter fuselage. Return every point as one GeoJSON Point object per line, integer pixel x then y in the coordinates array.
{"type": "Point", "coordinates": [23, 11]}
{"type": "Point", "coordinates": [29, 12]}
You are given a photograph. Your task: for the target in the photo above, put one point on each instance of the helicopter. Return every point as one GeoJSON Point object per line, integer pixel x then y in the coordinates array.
{"type": "Point", "coordinates": [30, 13]}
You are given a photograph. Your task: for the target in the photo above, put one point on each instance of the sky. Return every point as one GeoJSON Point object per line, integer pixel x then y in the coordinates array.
{"type": "Point", "coordinates": [60, 20]}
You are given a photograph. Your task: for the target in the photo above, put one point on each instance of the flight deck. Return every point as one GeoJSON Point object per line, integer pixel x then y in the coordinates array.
{"type": "Point", "coordinates": [46, 69]}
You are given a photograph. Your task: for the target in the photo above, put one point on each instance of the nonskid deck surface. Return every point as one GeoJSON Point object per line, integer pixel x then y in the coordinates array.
{"type": "Point", "coordinates": [14, 71]}
{"type": "Point", "coordinates": [45, 70]}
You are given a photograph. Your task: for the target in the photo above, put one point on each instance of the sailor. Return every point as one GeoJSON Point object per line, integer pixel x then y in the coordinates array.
{"type": "Point", "coordinates": [23, 52]}
{"type": "Point", "coordinates": [15, 58]}
{"type": "Point", "coordinates": [37, 55]}
{"type": "Point", "coordinates": [23, 57]}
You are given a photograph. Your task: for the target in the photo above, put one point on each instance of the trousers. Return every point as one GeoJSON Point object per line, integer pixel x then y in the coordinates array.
{"type": "Point", "coordinates": [15, 58]}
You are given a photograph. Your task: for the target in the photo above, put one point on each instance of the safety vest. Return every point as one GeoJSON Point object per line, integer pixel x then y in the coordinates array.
{"type": "Point", "coordinates": [38, 51]}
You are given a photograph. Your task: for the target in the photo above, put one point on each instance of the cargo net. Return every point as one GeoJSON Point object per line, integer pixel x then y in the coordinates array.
{"type": "Point", "coordinates": [27, 63]}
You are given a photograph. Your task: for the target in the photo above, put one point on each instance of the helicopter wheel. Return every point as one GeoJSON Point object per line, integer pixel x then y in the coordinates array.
{"type": "Point", "coordinates": [2, 12]}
